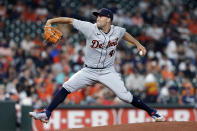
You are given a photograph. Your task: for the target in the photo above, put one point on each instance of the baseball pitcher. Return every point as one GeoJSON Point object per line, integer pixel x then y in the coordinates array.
{"type": "Point", "coordinates": [101, 42]}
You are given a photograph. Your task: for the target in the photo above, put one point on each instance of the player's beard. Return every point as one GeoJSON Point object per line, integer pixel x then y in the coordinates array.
{"type": "Point", "coordinates": [101, 25]}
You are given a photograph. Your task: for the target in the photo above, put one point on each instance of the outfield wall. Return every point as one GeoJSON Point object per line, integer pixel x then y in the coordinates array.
{"type": "Point", "coordinates": [89, 116]}
{"type": "Point", "coordinates": [77, 116]}
{"type": "Point", "coordinates": [7, 116]}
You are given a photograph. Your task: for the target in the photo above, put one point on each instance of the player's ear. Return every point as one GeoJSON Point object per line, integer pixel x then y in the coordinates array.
{"type": "Point", "coordinates": [108, 20]}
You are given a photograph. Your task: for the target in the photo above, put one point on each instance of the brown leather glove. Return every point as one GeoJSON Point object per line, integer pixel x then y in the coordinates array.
{"type": "Point", "coordinates": [52, 35]}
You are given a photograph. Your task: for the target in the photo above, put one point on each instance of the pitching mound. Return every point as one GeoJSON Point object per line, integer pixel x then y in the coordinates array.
{"type": "Point", "coordinates": [153, 126]}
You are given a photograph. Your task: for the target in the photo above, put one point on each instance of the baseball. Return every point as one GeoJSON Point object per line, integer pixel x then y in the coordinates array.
{"type": "Point", "coordinates": [141, 53]}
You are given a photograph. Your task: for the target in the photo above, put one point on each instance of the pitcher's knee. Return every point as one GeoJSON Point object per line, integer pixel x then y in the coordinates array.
{"type": "Point", "coordinates": [68, 87]}
{"type": "Point", "coordinates": [126, 96]}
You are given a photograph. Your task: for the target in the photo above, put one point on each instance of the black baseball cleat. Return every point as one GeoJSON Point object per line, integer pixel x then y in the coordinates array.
{"type": "Point", "coordinates": [157, 117]}
{"type": "Point", "coordinates": [43, 116]}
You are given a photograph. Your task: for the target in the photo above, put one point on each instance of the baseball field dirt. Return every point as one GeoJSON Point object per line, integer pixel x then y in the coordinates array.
{"type": "Point", "coordinates": [152, 126]}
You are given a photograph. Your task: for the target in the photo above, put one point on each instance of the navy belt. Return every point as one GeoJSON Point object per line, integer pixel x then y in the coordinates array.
{"type": "Point", "coordinates": [93, 67]}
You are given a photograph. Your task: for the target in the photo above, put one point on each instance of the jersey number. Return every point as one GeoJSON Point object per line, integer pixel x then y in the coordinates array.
{"type": "Point", "coordinates": [111, 53]}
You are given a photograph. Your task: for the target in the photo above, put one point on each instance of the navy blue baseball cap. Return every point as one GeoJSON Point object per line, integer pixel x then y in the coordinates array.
{"type": "Point", "coordinates": [104, 12]}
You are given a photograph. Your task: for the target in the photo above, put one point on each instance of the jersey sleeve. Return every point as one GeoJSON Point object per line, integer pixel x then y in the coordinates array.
{"type": "Point", "coordinates": [121, 32]}
{"type": "Point", "coordinates": [84, 27]}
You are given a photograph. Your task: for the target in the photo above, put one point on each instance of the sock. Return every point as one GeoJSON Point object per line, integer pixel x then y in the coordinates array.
{"type": "Point", "coordinates": [59, 98]}
{"type": "Point", "coordinates": [140, 104]}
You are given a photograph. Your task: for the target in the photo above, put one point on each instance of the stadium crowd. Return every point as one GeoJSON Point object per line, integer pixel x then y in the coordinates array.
{"type": "Point", "coordinates": [32, 71]}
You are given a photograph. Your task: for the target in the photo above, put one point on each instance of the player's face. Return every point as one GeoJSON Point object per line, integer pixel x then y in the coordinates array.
{"type": "Point", "coordinates": [101, 21]}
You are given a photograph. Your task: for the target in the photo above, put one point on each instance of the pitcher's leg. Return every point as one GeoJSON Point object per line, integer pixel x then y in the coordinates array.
{"type": "Point", "coordinates": [59, 98]}
{"type": "Point", "coordinates": [114, 82]}
{"type": "Point", "coordinates": [79, 80]}
{"type": "Point", "coordinates": [45, 114]}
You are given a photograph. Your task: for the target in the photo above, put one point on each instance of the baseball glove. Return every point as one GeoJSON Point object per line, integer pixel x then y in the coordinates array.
{"type": "Point", "coordinates": [52, 35]}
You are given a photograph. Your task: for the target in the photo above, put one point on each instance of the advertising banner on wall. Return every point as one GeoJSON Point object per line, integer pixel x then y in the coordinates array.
{"type": "Point", "coordinates": [72, 118]}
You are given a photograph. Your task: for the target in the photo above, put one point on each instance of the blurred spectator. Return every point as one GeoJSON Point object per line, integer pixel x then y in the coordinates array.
{"type": "Point", "coordinates": [19, 59]}
{"type": "Point", "coordinates": [86, 10]}
{"type": "Point", "coordinates": [127, 69]}
{"type": "Point", "coordinates": [92, 94]}
{"type": "Point", "coordinates": [118, 18]}
{"type": "Point", "coordinates": [155, 32]}
{"type": "Point", "coordinates": [188, 98]}
{"type": "Point", "coordinates": [148, 16]}
{"type": "Point", "coordinates": [75, 97]}
{"type": "Point", "coordinates": [5, 52]}
{"type": "Point", "coordinates": [164, 61]}
{"type": "Point", "coordinates": [187, 93]}
{"type": "Point", "coordinates": [135, 82]}
{"type": "Point", "coordinates": [175, 19]}
{"type": "Point", "coordinates": [108, 97]}
{"type": "Point", "coordinates": [27, 43]}
{"type": "Point", "coordinates": [2, 10]}
{"type": "Point", "coordinates": [151, 88]}
{"type": "Point", "coordinates": [181, 53]}
{"type": "Point", "coordinates": [193, 26]}
{"type": "Point", "coordinates": [166, 73]}
{"type": "Point", "coordinates": [64, 75]}
{"type": "Point", "coordinates": [171, 51]}
{"type": "Point", "coordinates": [173, 95]}
{"type": "Point", "coordinates": [137, 20]}
{"type": "Point", "coordinates": [144, 38]}
{"type": "Point", "coordinates": [11, 87]}
{"type": "Point", "coordinates": [78, 61]}
{"type": "Point", "coordinates": [41, 12]}
{"type": "Point", "coordinates": [187, 68]}
{"type": "Point", "coordinates": [45, 91]}
{"type": "Point", "coordinates": [184, 31]}
{"type": "Point", "coordinates": [127, 19]}
{"type": "Point", "coordinates": [190, 51]}
{"type": "Point", "coordinates": [164, 94]}
{"type": "Point", "coordinates": [80, 46]}
{"type": "Point", "coordinates": [143, 5]}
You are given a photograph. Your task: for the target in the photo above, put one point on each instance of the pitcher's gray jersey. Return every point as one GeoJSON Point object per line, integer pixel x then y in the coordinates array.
{"type": "Point", "coordinates": [99, 58]}
{"type": "Point", "coordinates": [100, 47]}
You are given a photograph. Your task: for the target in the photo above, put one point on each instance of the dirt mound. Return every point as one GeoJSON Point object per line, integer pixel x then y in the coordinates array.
{"type": "Point", "coordinates": [152, 126]}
